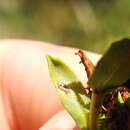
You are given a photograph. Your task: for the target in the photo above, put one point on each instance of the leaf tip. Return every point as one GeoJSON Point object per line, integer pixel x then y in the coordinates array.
{"type": "Point", "coordinates": [48, 57]}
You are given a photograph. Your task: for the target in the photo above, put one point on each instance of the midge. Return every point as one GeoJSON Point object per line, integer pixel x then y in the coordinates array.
{"type": "Point", "coordinates": [63, 87]}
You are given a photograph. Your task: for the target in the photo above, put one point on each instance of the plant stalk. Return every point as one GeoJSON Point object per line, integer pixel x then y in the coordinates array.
{"type": "Point", "coordinates": [94, 111]}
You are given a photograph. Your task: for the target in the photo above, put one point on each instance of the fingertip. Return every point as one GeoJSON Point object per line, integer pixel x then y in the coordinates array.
{"type": "Point", "coordinates": [60, 121]}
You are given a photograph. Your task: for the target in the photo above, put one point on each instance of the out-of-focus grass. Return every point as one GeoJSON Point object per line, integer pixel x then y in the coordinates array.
{"type": "Point", "coordinates": [87, 24]}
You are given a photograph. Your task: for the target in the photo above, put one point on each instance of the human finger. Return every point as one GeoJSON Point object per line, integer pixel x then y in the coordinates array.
{"type": "Point", "coordinates": [26, 85]}
{"type": "Point", "coordinates": [60, 121]}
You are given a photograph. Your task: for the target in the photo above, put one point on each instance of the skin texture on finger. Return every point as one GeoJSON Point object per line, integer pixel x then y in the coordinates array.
{"type": "Point", "coordinates": [61, 121]}
{"type": "Point", "coordinates": [27, 91]}
{"type": "Point", "coordinates": [3, 119]}
{"type": "Point", "coordinates": [4, 123]}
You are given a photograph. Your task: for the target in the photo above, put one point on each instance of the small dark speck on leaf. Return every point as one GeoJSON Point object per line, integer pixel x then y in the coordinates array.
{"type": "Point", "coordinates": [63, 87]}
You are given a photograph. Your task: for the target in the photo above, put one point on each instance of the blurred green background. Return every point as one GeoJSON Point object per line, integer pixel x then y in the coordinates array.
{"type": "Point", "coordinates": [86, 24]}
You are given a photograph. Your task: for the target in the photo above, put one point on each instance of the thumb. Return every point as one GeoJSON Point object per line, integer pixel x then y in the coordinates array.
{"type": "Point", "coordinates": [60, 121]}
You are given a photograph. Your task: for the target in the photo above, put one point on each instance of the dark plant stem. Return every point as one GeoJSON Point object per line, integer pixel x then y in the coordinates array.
{"type": "Point", "coordinates": [94, 110]}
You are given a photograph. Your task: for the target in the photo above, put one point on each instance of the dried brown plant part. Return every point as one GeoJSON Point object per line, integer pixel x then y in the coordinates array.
{"type": "Point", "coordinates": [118, 117]}
{"type": "Point", "coordinates": [89, 67]}
{"type": "Point", "coordinates": [104, 109]}
{"type": "Point", "coordinates": [125, 93]}
{"type": "Point", "coordinates": [88, 91]}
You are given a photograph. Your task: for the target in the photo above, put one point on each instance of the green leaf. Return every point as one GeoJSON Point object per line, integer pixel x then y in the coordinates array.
{"type": "Point", "coordinates": [120, 100]}
{"type": "Point", "coordinates": [59, 72]}
{"type": "Point", "coordinates": [114, 67]}
{"type": "Point", "coordinates": [71, 91]}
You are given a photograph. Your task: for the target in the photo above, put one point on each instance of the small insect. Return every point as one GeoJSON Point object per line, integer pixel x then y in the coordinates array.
{"type": "Point", "coordinates": [63, 87]}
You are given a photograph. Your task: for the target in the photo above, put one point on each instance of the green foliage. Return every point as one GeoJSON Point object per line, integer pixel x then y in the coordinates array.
{"type": "Point", "coordinates": [111, 72]}
{"type": "Point", "coordinates": [71, 91]}
{"type": "Point", "coordinates": [113, 68]}
{"type": "Point", "coordinates": [120, 100]}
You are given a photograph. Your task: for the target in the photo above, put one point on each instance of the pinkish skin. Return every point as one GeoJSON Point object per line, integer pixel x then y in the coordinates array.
{"type": "Point", "coordinates": [27, 95]}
